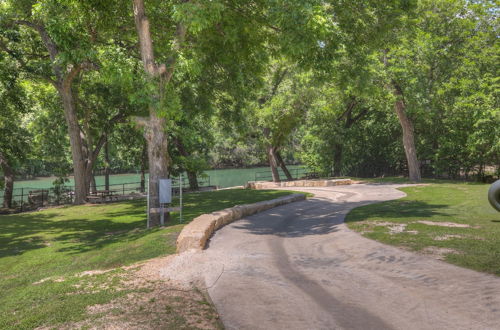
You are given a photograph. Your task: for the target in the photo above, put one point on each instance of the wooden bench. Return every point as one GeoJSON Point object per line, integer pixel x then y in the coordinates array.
{"type": "Point", "coordinates": [102, 195]}
{"type": "Point", "coordinates": [94, 198]}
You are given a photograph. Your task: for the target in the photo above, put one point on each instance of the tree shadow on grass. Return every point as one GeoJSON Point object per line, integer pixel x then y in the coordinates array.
{"type": "Point", "coordinates": [396, 209]}
{"type": "Point", "coordinates": [23, 232]}
{"type": "Point", "coordinates": [20, 233]}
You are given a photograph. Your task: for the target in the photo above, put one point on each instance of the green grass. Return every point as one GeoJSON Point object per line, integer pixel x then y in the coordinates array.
{"type": "Point", "coordinates": [402, 179]}
{"type": "Point", "coordinates": [476, 247]}
{"type": "Point", "coordinates": [57, 244]}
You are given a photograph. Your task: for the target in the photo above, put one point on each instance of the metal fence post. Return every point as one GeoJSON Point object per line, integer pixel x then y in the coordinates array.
{"type": "Point", "coordinates": [22, 198]}
{"type": "Point", "coordinates": [123, 189]}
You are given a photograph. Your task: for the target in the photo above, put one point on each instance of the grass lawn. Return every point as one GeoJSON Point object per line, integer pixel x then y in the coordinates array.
{"type": "Point", "coordinates": [43, 254]}
{"type": "Point", "coordinates": [418, 222]}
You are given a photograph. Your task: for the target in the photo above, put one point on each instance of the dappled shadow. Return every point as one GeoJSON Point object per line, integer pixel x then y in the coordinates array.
{"type": "Point", "coordinates": [320, 215]}
{"type": "Point", "coordinates": [23, 232]}
{"type": "Point", "coordinates": [310, 217]}
{"type": "Point", "coordinates": [396, 209]}
{"type": "Point", "coordinates": [88, 229]}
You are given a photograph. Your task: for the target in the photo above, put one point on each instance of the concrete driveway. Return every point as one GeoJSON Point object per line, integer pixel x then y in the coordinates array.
{"type": "Point", "coordinates": [299, 267]}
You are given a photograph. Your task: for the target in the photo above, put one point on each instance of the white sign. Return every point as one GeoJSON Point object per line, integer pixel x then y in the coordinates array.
{"type": "Point", "coordinates": [165, 191]}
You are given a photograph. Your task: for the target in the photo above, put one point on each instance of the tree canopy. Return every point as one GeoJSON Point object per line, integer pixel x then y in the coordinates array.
{"type": "Point", "coordinates": [361, 88]}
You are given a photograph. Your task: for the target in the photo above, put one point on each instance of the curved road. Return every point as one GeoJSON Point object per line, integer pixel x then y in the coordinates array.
{"type": "Point", "coordinates": [298, 266]}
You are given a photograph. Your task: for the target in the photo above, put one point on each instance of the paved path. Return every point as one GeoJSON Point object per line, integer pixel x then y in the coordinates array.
{"type": "Point", "coordinates": [299, 267]}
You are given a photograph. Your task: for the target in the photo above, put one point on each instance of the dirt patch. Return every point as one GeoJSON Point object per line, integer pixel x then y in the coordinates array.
{"type": "Point", "coordinates": [445, 224]}
{"type": "Point", "coordinates": [53, 279]}
{"type": "Point", "coordinates": [154, 303]}
{"type": "Point", "coordinates": [93, 272]}
{"type": "Point", "coordinates": [447, 237]}
{"type": "Point", "coordinates": [157, 306]}
{"type": "Point", "coordinates": [394, 228]}
{"type": "Point", "coordinates": [397, 228]}
{"type": "Point", "coordinates": [438, 252]}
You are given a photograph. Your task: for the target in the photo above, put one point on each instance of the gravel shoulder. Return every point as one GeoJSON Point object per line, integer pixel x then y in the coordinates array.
{"type": "Point", "coordinates": [299, 267]}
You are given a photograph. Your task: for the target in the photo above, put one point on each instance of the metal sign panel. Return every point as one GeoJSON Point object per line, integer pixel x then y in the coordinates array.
{"type": "Point", "coordinates": [165, 191]}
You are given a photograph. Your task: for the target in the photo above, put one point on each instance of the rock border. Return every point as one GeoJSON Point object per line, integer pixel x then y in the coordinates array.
{"type": "Point", "coordinates": [195, 235]}
{"type": "Point", "coordinates": [298, 183]}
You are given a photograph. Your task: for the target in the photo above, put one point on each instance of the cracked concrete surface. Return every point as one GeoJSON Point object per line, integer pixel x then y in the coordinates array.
{"type": "Point", "coordinates": [299, 267]}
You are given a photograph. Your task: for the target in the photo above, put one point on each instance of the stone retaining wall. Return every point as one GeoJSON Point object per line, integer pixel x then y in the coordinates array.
{"type": "Point", "coordinates": [297, 183]}
{"type": "Point", "coordinates": [194, 236]}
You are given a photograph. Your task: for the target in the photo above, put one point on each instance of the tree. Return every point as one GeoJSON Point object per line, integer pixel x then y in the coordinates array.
{"type": "Point", "coordinates": [56, 42]}
{"type": "Point", "coordinates": [441, 69]}
{"type": "Point", "coordinates": [155, 134]}
{"type": "Point", "coordinates": [14, 137]}
{"type": "Point", "coordinates": [212, 26]}
{"type": "Point", "coordinates": [280, 108]}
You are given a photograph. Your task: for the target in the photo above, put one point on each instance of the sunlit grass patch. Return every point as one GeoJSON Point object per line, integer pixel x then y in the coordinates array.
{"type": "Point", "coordinates": [453, 218]}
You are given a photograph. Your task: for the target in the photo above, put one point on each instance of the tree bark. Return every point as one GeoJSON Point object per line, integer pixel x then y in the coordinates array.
{"type": "Point", "coordinates": [408, 135]}
{"type": "Point", "coordinates": [271, 156]}
{"type": "Point", "coordinates": [89, 172]}
{"type": "Point", "coordinates": [106, 164]}
{"type": "Point", "coordinates": [158, 163]}
{"type": "Point", "coordinates": [337, 159]}
{"type": "Point", "coordinates": [283, 166]}
{"type": "Point", "coordinates": [193, 180]}
{"type": "Point", "coordinates": [8, 174]}
{"type": "Point", "coordinates": [144, 159]}
{"type": "Point", "coordinates": [93, 185]}
{"type": "Point", "coordinates": [81, 182]}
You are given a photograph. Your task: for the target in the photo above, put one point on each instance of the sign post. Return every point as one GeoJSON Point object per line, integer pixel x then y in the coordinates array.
{"type": "Point", "coordinates": [165, 197]}
{"type": "Point", "coordinates": [180, 197]}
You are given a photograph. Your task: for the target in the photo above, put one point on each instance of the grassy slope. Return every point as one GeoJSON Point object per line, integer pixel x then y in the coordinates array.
{"type": "Point", "coordinates": [62, 242]}
{"type": "Point", "coordinates": [478, 246]}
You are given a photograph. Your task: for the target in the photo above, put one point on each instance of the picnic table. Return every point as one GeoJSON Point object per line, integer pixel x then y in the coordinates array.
{"type": "Point", "coordinates": [101, 195]}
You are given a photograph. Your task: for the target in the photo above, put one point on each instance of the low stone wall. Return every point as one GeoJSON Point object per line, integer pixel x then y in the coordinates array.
{"type": "Point", "coordinates": [297, 183]}
{"type": "Point", "coordinates": [195, 235]}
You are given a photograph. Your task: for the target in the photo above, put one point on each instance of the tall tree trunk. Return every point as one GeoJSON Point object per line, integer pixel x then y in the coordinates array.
{"type": "Point", "coordinates": [193, 180]}
{"type": "Point", "coordinates": [93, 185]}
{"type": "Point", "coordinates": [283, 165]}
{"type": "Point", "coordinates": [144, 159]}
{"type": "Point", "coordinates": [89, 175]}
{"type": "Point", "coordinates": [79, 170]}
{"type": "Point", "coordinates": [337, 159]}
{"type": "Point", "coordinates": [158, 164]}
{"type": "Point", "coordinates": [106, 164]}
{"type": "Point", "coordinates": [64, 77]}
{"type": "Point", "coordinates": [408, 136]}
{"type": "Point", "coordinates": [155, 127]}
{"type": "Point", "coordinates": [8, 175]}
{"type": "Point", "coordinates": [271, 156]}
